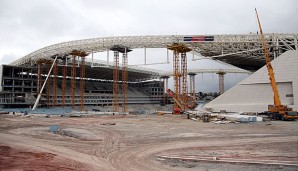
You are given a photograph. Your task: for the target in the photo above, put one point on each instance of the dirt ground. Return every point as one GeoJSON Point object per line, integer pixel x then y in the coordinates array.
{"type": "Point", "coordinates": [137, 142]}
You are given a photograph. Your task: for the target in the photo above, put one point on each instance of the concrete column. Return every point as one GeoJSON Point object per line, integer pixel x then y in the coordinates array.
{"type": "Point", "coordinates": [165, 80]}
{"type": "Point", "coordinates": [221, 82]}
{"type": "Point", "coordinates": [192, 88]}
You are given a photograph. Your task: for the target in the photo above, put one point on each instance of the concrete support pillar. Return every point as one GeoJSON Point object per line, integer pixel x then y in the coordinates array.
{"type": "Point", "coordinates": [165, 82]}
{"type": "Point", "coordinates": [192, 88]}
{"type": "Point", "coordinates": [221, 82]}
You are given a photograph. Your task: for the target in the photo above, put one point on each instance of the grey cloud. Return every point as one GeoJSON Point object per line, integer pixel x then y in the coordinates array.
{"type": "Point", "coordinates": [6, 58]}
{"type": "Point", "coordinates": [26, 26]}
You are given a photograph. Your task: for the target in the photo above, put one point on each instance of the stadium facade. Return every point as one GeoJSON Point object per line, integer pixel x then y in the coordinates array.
{"type": "Point", "coordinates": [19, 88]}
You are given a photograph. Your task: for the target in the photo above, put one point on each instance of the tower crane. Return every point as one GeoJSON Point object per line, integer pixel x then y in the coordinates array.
{"type": "Point", "coordinates": [278, 110]}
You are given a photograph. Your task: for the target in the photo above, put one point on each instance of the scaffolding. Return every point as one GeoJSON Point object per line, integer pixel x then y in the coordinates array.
{"type": "Point", "coordinates": [124, 81]}
{"type": "Point", "coordinates": [50, 67]}
{"type": "Point", "coordinates": [177, 49]}
{"type": "Point", "coordinates": [82, 81]}
{"type": "Point", "coordinates": [39, 75]}
{"type": "Point", "coordinates": [76, 54]}
{"type": "Point", "coordinates": [176, 68]}
{"type": "Point", "coordinates": [124, 50]}
{"type": "Point", "coordinates": [64, 73]}
{"type": "Point", "coordinates": [116, 82]}
{"type": "Point", "coordinates": [73, 81]}
{"type": "Point", "coordinates": [184, 79]}
{"type": "Point", "coordinates": [55, 84]}
{"type": "Point", "coordinates": [48, 86]}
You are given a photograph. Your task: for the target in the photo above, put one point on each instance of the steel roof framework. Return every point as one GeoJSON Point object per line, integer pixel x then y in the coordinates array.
{"type": "Point", "coordinates": [244, 51]}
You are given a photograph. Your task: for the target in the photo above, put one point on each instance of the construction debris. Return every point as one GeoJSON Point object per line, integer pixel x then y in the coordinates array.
{"type": "Point", "coordinates": [223, 117]}
{"type": "Point", "coordinates": [108, 123]}
{"type": "Point", "coordinates": [239, 118]}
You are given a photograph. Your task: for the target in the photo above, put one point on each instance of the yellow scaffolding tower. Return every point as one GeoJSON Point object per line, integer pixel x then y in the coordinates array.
{"type": "Point", "coordinates": [179, 49]}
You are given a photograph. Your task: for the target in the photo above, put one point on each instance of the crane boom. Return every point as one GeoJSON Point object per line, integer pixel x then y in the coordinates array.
{"type": "Point", "coordinates": [277, 111]}
{"type": "Point", "coordinates": [276, 98]}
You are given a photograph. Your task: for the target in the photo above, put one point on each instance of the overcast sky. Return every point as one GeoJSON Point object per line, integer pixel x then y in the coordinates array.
{"type": "Point", "coordinates": [28, 25]}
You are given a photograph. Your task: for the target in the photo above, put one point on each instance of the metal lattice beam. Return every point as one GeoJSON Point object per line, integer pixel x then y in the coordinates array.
{"type": "Point", "coordinates": [220, 45]}
{"type": "Point", "coordinates": [197, 71]}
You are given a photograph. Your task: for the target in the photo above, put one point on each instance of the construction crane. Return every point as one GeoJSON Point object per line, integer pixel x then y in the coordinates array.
{"type": "Point", "coordinates": [181, 104]}
{"type": "Point", "coordinates": [277, 111]}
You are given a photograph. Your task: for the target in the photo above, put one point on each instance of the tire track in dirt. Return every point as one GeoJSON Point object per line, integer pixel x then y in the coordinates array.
{"type": "Point", "coordinates": [143, 157]}
{"type": "Point", "coordinates": [41, 145]}
{"type": "Point", "coordinates": [112, 141]}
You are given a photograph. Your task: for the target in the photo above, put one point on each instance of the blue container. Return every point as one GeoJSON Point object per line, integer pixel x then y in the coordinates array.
{"type": "Point", "coordinates": [54, 128]}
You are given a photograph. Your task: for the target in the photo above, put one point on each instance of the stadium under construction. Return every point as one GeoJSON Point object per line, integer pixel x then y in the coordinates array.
{"type": "Point", "coordinates": [67, 75]}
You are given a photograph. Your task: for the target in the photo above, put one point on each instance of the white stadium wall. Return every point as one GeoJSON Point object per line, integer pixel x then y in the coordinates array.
{"type": "Point", "coordinates": [1, 74]}
{"type": "Point", "coordinates": [255, 93]}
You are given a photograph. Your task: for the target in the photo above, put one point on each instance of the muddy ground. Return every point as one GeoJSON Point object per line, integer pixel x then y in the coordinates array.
{"type": "Point", "coordinates": [137, 142]}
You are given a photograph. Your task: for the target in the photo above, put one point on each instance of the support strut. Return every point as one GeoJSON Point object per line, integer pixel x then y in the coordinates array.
{"type": "Point", "coordinates": [176, 67]}
{"type": "Point", "coordinates": [116, 82]}
{"type": "Point", "coordinates": [177, 49]}
{"type": "Point", "coordinates": [39, 94]}
{"type": "Point", "coordinates": [55, 84]}
{"type": "Point", "coordinates": [48, 87]}
{"type": "Point", "coordinates": [221, 82]}
{"type": "Point", "coordinates": [124, 81]}
{"type": "Point", "coordinates": [192, 87]}
{"type": "Point", "coordinates": [73, 81]}
{"type": "Point", "coordinates": [82, 83]}
{"type": "Point", "coordinates": [184, 79]}
{"type": "Point", "coordinates": [64, 70]}
{"type": "Point", "coordinates": [39, 77]}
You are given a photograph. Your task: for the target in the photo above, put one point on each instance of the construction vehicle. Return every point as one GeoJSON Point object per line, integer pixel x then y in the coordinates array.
{"type": "Point", "coordinates": [181, 104]}
{"type": "Point", "coordinates": [277, 111]}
